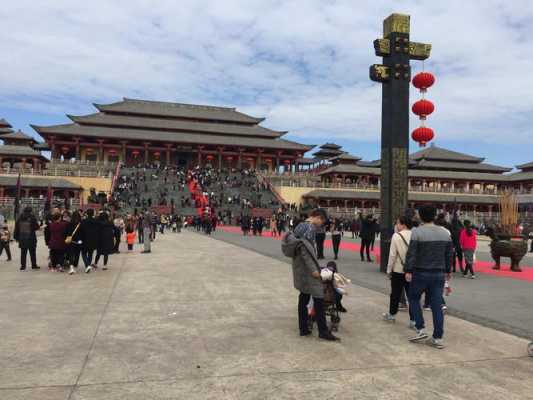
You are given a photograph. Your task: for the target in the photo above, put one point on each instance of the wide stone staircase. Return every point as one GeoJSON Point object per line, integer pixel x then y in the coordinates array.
{"type": "Point", "coordinates": [233, 192]}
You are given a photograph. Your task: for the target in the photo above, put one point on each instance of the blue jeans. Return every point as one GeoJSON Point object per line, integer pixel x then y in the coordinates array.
{"type": "Point", "coordinates": [433, 284]}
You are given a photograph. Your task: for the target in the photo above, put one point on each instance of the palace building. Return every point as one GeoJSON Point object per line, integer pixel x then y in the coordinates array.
{"type": "Point", "coordinates": [448, 179]}
{"type": "Point", "coordinates": [140, 131]}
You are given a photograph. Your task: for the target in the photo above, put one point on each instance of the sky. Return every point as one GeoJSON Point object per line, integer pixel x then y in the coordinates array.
{"type": "Point", "coordinates": [301, 64]}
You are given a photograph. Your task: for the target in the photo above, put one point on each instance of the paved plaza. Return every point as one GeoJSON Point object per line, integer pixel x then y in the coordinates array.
{"type": "Point", "coordinates": [200, 318]}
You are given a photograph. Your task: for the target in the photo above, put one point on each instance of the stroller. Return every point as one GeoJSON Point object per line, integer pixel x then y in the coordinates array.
{"type": "Point", "coordinates": [331, 301]}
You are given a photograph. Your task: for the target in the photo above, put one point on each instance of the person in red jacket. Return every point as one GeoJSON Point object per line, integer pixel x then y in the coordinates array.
{"type": "Point", "coordinates": [468, 241]}
{"type": "Point", "coordinates": [56, 242]}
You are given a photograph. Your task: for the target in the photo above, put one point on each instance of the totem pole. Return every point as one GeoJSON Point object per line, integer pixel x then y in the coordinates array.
{"type": "Point", "coordinates": [394, 74]}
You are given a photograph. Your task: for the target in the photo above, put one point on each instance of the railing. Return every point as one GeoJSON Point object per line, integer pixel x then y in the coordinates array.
{"type": "Point", "coordinates": [277, 195]}
{"type": "Point", "coordinates": [299, 182]}
{"type": "Point", "coordinates": [56, 172]}
{"type": "Point", "coordinates": [115, 178]}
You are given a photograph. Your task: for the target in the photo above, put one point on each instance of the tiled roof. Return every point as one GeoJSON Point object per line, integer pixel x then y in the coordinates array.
{"type": "Point", "coordinates": [345, 157]}
{"type": "Point", "coordinates": [330, 146]}
{"type": "Point", "coordinates": [460, 166]}
{"type": "Point", "coordinates": [169, 137]}
{"type": "Point", "coordinates": [22, 151]}
{"type": "Point", "coordinates": [4, 123]}
{"type": "Point", "coordinates": [31, 181]}
{"type": "Point", "coordinates": [178, 110]}
{"type": "Point", "coordinates": [18, 135]}
{"type": "Point", "coordinates": [440, 154]}
{"type": "Point", "coordinates": [525, 166]}
{"type": "Point", "coordinates": [166, 124]}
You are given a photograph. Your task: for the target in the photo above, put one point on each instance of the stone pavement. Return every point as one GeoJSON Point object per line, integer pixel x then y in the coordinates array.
{"type": "Point", "coordinates": [204, 319]}
{"type": "Point", "coordinates": [495, 301]}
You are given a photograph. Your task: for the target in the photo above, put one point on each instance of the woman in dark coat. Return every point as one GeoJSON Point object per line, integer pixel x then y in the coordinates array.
{"type": "Point", "coordinates": [75, 245]}
{"type": "Point", "coordinates": [106, 239]}
{"type": "Point", "coordinates": [24, 234]}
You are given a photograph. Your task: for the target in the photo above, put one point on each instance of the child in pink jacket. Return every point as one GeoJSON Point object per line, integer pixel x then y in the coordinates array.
{"type": "Point", "coordinates": [468, 241]}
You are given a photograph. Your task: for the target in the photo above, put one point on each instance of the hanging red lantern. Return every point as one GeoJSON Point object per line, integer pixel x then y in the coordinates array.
{"type": "Point", "coordinates": [423, 135]}
{"type": "Point", "coordinates": [423, 80]}
{"type": "Point", "coordinates": [423, 108]}
{"type": "Point", "coordinates": [229, 158]}
{"type": "Point", "coordinates": [157, 154]}
{"type": "Point", "coordinates": [286, 161]}
{"type": "Point", "coordinates": [209, 157]}
{"type": "Point", "coordinates": [135, 153]}
{"type": "Point", "coordinates": [112, 152]}
{"type": "Point", "coordinates": [65, 149]}
{"type": "Point", "coordinates": [90, 151]}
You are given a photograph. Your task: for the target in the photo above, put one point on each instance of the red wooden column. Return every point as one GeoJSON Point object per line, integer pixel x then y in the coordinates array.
{"type": "Point", "coordinates": [146, 152]}
{"type": "Point", "coordinates": [53, 147]}
{"type": "Point", "coordinates": [100, 156]}
{"type": "Point", "coordinates": [200, 148]}
{"type": "Point", "coordinates": [259, 159]}
{"type": "Point", "coordinates": [123, 143]}
{"type": "Point", "coordinates": [77, 146]}
{"type": "Point", "coordinates": [168, 146]}
{"type": "Point", "coordinates": [239, 163]}
{"type": "Point", "coordinates": [220, 150]}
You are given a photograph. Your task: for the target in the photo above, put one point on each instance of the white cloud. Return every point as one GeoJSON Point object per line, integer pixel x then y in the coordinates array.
{"type": "Point", "coordinates": [303, 64]}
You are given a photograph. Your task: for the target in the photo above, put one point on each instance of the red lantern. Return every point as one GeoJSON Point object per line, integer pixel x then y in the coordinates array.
{"type": "Point", "coordinates": [423, 108]}
{"type": "Point", "coordinates": [229, 158]}
{"type": "Point", "coordinates": [112, 152]}
{"type": "Point", "coordinates": [286, 161]}
{"type": "Point", "coordinates": [157, 154]}
{"type": "Point", "coordinates": [423, 80]}
{"type": "Point", "coordinates": [209, 157]}
{"type": "Point", "coordinates": [422, 135]}
{"type": "Point", "coordinates": [90, 151]}
{"type": "Point", "coordinates": [65, 149]}
{"type": "Point", "coordinates": [135, 153]}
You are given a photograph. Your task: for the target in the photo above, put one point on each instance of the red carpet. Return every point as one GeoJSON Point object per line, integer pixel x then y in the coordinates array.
{"type": "Point", "coordinates": [481, 267]}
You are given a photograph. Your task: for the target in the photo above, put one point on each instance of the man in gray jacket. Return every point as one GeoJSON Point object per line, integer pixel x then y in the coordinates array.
{"type": "Point", "coordinates": [300, 246]}
{"type": "Point", "coordinates": [428, 264]}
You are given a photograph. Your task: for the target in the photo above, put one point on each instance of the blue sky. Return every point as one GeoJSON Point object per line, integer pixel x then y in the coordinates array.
{"type": "Point", "coordinates": [302, 64]}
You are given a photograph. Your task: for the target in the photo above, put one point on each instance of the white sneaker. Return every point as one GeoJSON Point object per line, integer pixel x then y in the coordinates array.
{"type": "Point", "coordinates": [388, 317]}
{"type": "Point", "coordinates": [420, 335]}
{"type": "Point", "coordinates": [473, 277]}
{"type": "Point", "coordinates": [71, 270]}
{"type": "Point", "coordinates": [104, 268]}
{"type": "Point", "coordinates": [412, 325]}
{"type": "Point", "coordinates": [437, 343]}
{"type": "Point", "coordinates": [88, 269]}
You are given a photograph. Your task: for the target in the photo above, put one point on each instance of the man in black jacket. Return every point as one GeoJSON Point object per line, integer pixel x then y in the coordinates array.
{"type": "Point", "coordinates": [24, 234]}
{"type": "Point", "coordinates": [367, 233]}
{"type": "Point", "coordinates": [90, 231]}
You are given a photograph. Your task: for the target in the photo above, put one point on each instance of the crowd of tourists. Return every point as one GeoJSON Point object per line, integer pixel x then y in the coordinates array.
{"type": "Point", "coordinates": [426, 249]}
